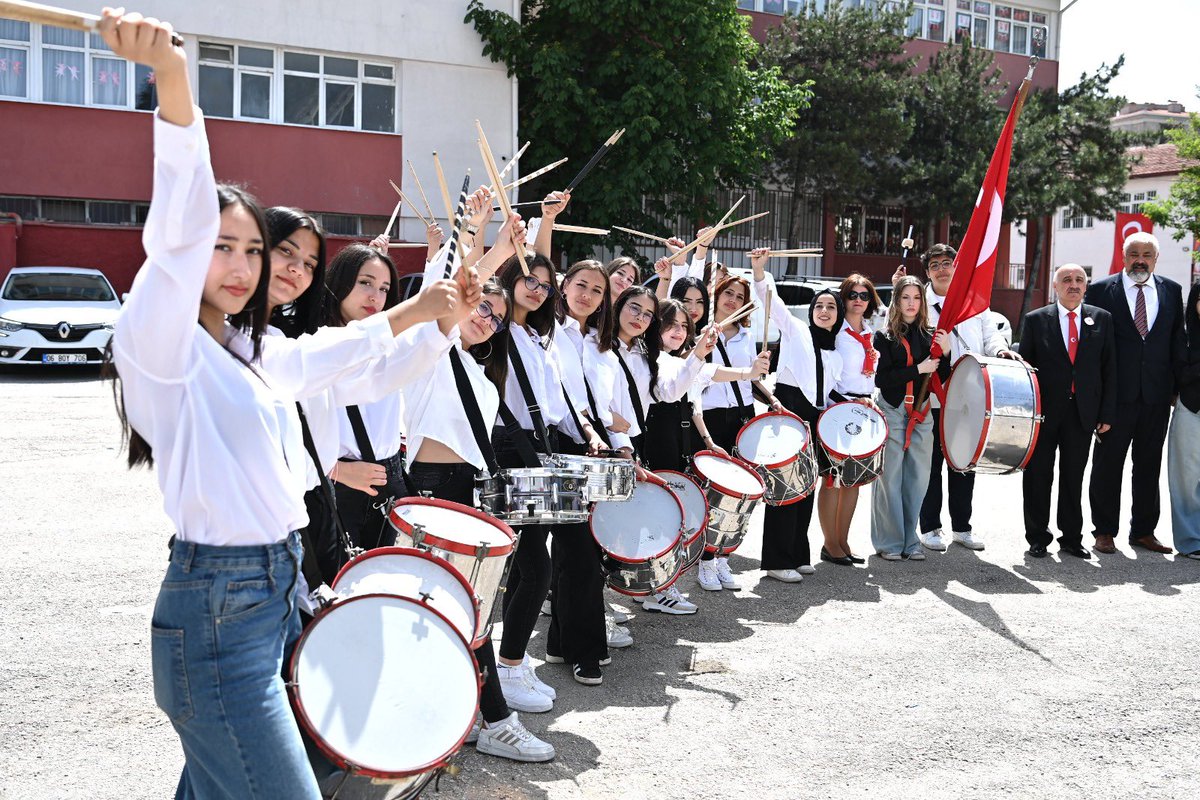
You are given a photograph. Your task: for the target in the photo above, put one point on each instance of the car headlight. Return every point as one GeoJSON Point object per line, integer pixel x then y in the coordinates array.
{"type": "Point", "coordinates": [9, 326]}
{"type": "Point", "coordinates": [108, 326]}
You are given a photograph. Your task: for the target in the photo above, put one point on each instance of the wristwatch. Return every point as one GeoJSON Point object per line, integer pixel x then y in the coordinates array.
{"type": "Point", "coordinates": [472, 229]}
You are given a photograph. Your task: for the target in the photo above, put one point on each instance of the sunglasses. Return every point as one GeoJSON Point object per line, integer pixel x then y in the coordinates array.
{"type": "Point", "coordinates": [532, 284]}
{"type": "Point", "coordinates": [485, 311]}
{"type": "Point", "coordinates": [864, 296]}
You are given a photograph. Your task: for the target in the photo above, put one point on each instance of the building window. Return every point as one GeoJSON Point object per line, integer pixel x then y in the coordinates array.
{"type": "Point", "coordinates": [1003, 28]}
{"type": "Point", "coordinates": [1132, 204]}
{"type": "Point", "coordinates": [59, 209]}
{"type": "Point", "coordinates": [871, 230]}
{"type": "Point", "coordinates": [1073, 219]}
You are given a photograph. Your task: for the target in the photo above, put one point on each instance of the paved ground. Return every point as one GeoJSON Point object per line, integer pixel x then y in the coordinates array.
{"type": "Point", "coordinates": [968, 675]}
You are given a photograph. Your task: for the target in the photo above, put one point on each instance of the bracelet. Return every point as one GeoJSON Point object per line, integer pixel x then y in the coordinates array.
{"type": "Point", "coordinates": [472, 229]}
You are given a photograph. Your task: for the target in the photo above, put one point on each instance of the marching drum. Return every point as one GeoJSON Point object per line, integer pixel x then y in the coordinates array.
{"type": "Point", "coordinates": [641, 538]}
{"type": "Point", "coordinates": [853, 436]}
{"type": "Point", "coordinates": [991, 415]}
{"type": "Point", "coordinates": [473, 543]}
{"type": "Point", "coordinates": [386, 686]}
{"type": "Point", "coordinates": [417, 574]}
{"type": "Point", "coordinates": [779, 447]}
{"type": "Point", "coordinates": [607, 478]}
{"type": "Point", "coordinates": [536, 495]}
{"type": "Point", "coordinates": [695, 513]}
{"type": "Point", "coordinates": [732, 490]}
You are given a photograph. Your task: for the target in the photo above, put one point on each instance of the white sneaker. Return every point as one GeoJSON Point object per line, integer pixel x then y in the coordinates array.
{"type": "Point", "coordinates": [916, 555]}
{"type": "Point", "coordinates": [968, 539]}
{"type": "Point", "coordinates": [618, 637]}
{"type": "Point", "coordinates": [473, 736]}
{"type": "Point", "coordinates": [538, 683]}
{"type": "Point", "coordinates": [670, 602]}
{"type": "Point", "coordinates": [806, 569]}
{"type": "Point", "coordinates": [725, 575]}
{"type": "Point", "coordinates": [934, 540]}
{"type": "Point", "coordinates": [620, 617]}
{"type": "Point", "coordinates": [509, 739]}
{"type": "Point", "coordinates": [889, 556]}
{"type": "Point", "coordinates": [706, 576]}
{"type": "Point", "coordinates": [519, 690]}
{"type": "Point", "coordinates": [785, 575]}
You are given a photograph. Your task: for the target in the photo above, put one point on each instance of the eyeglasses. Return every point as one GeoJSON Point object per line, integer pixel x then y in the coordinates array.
{"type": "Point", "coordinates": [637, 312]}
{"type": "Point", "coordinates": [534, 285]}
{"type": "Point", "coordinates": [864, 296]}
{"type": "Point", "coordinates": [938, 266]}
{"type": "Point", "coordinates": [485, 311]}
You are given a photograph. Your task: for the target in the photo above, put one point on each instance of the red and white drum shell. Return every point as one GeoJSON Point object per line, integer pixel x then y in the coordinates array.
{"type": "Point", "coordinates": [853, 436]}
{"type": "Point", "coordinates": [417, 574]}
{"type": "Point", "coordinates": [695, 512]}
{"type": "Point", "coordinates": [779, 446]}
{"type": "Point", "coordinates": [641, 539]}
{"type": "Point", "coordinates": [475, 544]}
{"type": "Point", "coordinates": [733, 490]}
{"type": "Point", "coordinates": [386, 686]}
{"type": "Point", "coordinates": [991, 416]}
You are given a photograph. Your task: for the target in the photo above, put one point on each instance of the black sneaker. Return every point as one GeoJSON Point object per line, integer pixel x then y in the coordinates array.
{"type": "Point", "coordinates": [589, 674]}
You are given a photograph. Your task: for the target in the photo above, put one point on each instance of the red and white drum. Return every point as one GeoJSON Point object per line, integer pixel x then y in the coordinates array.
{"type": "Point", "coordinates": [853, 436]}
{"type": "Point", "coordinates": [779, 447]}
{"type": "Point", "coordinates": [695, 513]}
{"type": "Point", "coordinates": [386, 686]}
{"type": "Point", "coordinates": [641, 538]}
{"type": "Point", "coordinates": [418, 574]}
{"type": "Point", "coordinates": [733, 490]}
{"type": "Point", "coordinates": [991, 416]}
{"type": "Point", "coordinates": [475, 544]}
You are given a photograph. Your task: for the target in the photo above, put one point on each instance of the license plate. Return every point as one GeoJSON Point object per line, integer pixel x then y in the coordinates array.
{"type": "Point", "coordinates": [64, 358]}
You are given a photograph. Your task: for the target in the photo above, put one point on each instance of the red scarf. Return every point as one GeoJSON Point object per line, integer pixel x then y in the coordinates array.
{"type": "Point", "coordinates": [864, 339]}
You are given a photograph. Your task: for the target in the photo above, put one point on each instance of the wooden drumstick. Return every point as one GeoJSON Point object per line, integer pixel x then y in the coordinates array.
{"type": "Point", "coordinates": [489, 162]}
{"type": "Point", "coordinates": [411, 204]}
{"type": "Point", "coordinates": [392, 221]}
{"type": "Point", "coordinates": [767, 319]}
{"type": "Point", "coordinates": [421, 189]}
{"type": "Point", "coordinates": [649, 236]}
{"type": "Point", "coordinates": [535, 174]}
{"type": "Point", "coordinates": [441, 178]}
{"type": "Point", "coordinates": [512, 161]}
{"type": "Point", "coordinates": [58, 17]}
{"type": "Point", "coordinates": [581, 229]}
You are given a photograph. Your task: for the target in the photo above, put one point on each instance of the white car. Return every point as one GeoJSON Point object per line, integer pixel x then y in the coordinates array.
{"type": "Point", "coordinates": [56, 315]}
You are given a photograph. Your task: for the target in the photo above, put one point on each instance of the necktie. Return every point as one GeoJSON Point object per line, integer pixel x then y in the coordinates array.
{"type": "Point", "coordinates": [1072, 336]}
{"type": "Point", "coordinates": [1139, 312]}
{"type": "Point", "coordinates": [864, 338]}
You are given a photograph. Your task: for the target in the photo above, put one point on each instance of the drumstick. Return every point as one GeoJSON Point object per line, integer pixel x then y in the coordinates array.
{"type": "Point", "coordinates": [799, 253]}
{"type": "Point", "coordinates": [411, 204]}
{"type": "Point", "coordinates": [729, 213]}
{"type": "Point", "coordinates": [696, 243]}
{"type": "Point", "coordinates": [536, 173]}
{"type": "Point", "coordinates": [420, 189]}
{"type": "Point", "coordinates": [59, 17]}
{"type": "Point", "coordinates": [580, 229]}
{"type": "Point", "coordinates": [489, 162]}
{"type": "Point", "coordinates": [513, 160]}
{"type": "Point", "coordinates": [441, 178]}
{"type": "Point", "coordinates": [599, 154]}
{"type": "Point", "coordinates": [767, 319]}
{"type": "Point", "coordinates": [649, 236]}
{"type": "Point", "coordinates": [407, 244]}
{"type": "Point", "coordinates": [392, 221]}
{"type": "Point", "coordinates": [737, 315]}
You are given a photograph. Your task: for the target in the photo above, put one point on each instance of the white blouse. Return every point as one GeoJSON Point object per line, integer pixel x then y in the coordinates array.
{"type": "Point", "coordinates": [433, 408]}
{"type": "Point", "coordinates": [853, 382]}
{"type": "Point", "coordinates": [567, 353]}
{"type": "Point", "coordinates": [227, 447]}
{"type": "Point", "coordinates": [675, 376]}
{"type": "Point", "coordinates": [543, 380]}
{"type": "Point", "coordinates": [693, 269]}
{"type": "Point", "coordinates": [742, 352]}
{"type": "Point", "coordinates": [797, 353]}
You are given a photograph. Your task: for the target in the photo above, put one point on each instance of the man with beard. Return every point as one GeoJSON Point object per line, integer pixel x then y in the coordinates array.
{"type": "Point", "coordinates": [1147, 312]}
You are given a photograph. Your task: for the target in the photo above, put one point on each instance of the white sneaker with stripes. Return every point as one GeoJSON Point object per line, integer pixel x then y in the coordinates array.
{"type": "Point", "coordinates": [669, 602]}
{"type": "Point", "coordinates": [509, 739]}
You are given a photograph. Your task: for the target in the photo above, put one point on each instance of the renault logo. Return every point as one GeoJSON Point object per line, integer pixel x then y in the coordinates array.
{"type": "Point", "coordinates": [64, 330]}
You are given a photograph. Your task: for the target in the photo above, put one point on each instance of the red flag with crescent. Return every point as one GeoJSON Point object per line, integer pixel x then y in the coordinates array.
{"type": "Point", "coordinates": [1127, 225]}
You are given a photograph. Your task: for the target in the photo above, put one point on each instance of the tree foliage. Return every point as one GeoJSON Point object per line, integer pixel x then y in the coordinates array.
{"type": "Point", "coordinates": [1181, 209]}
{"type": "Point", "coordinates": [679, 75]}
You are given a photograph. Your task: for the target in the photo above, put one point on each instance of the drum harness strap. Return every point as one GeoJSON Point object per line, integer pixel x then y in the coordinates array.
{"type": "Point", "coordinates": [914, 416]}
{"type": "Point", "coordinates": [737, 390]}
{"type": "Point", "coordinates": [312, 572]}
{"type": "Point", "coordinates": [363, 440]}
{"type": "Point", "coordinates": [636, 397]}
{"type": "Point", "coordinates": [535, 411]}
{"type": "Point", "coordinates": [470, 403]}
{"type": "Point", "coordinates": [601, 431]}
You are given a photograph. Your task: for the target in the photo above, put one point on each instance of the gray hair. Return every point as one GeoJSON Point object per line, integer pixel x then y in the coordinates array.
{"type": "Point", "coordinates": [1141, 237]}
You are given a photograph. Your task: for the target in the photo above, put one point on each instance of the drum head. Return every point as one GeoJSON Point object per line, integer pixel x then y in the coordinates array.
{"type": "Point", "coordinates": [772, 439]}
{"type": "Point", "coordinates": [690, 496]}
{"type": "Point", "coordinates": [452, 526]}
{"type": "Point", "coordinates": [851, 429]}
{"type": "Point", "coordinates": [406, 572]}
{"type": "Point", "coordinates": [968, 398]}
{"type": "Point", "coordinates": [645, 526]}
{"type": "Point", "coordinates": [385, 684]}
{"type": "Point", "coordinates": [727, 475]}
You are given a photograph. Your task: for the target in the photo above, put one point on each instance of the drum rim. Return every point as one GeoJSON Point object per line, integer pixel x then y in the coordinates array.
{"type": "Point", "coordinates": [303, 719]}
{"type": "Point", "coordinates": [987, 420]}
{"type": "Point", "coordinates": [807, 438]}
{"type": "Point", "coordinates": [477, 634]}
{"type": "Point", "coordinates": [625, 560]}
{"type": "Point", "coordinates": [724, 489]}
{"type": "Point", "coordinates": [887, 430]}
{"type": "Point", "coordinates": [703, 496]}
{"type": "Point", "coordinates": [452, 545]}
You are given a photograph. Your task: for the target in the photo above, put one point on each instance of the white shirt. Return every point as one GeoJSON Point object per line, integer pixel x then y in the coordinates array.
{"type": "Point", "coordinates": [433, 408]}
{"type": "Point", "coordinates": [1131, 293]}
{"type": "Point", "coordinates": [852, 381]}
{"type": "Point", "coordinates": [1064, 323]}
{"type": "Point", "coordinates": [693, 269]}
{"type": "Point", "coordinates": [607, 381]}
{"type": "Point", "coordinates": [227, 448]}
{"type": "Point", "coordinates": [742, 352]}
{"type": "Point", "coordinates": [543, 380]}
{"type": "Point", "coordinates": [797, 353]}
{"type": "Point", "coordinates": [977, 334]}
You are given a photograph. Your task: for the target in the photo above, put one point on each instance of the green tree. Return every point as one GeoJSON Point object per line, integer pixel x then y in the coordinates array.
{"type": "Point", "coordinates": [1181, 208]}
{"type": "Point", "coordinates": [678, 75]}
{"type": "Point", "coordinates": [1067, 155]}
{"type": "Point", "coordinates": [846, 145]}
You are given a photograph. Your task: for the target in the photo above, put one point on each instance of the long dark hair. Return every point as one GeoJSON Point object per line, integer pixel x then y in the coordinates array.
{"type": "Point", "coordinates": [680, 289]}
{"type": "Point", "coordinates": [542, 319]}
{"type": "Point", "coordinates": [250, 321]}
{"type": "Point", "coordinates": [302, 315]}
{"type": "Point", "coordinates": [492, 355]}
{"type": "Point", "coordinates": [343, 272]}
{"type": "Point", "coordinates": [670, 311]}
{"type": "Point", "coordinates": [600, 319]}
{"type": "Point", "coordinates": [652, 337]}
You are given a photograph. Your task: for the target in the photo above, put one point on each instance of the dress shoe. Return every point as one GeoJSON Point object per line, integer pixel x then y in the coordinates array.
{"type": "Point", "coordinates": [1104, 544]}
{"type": "Point", "coordinates": [843, 560]}
{"type": "Point", "coordinates": [1150, 543]}
{"type": "Point", "coordinates": [1077, 550]}
{"type": "Point", "coordinates": [856, 559]}
{"type": "Point", "coordinates": [1037, 550]}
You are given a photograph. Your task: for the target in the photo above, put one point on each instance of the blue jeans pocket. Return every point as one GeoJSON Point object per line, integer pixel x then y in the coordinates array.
{"type": "Point", "coordinates": [245, 597]}
{"type": "Point", "coordinates": [172, 692]}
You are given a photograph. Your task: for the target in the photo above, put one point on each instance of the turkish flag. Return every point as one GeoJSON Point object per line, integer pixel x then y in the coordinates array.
{"type": "Point", "coordinates": [1127, 225]}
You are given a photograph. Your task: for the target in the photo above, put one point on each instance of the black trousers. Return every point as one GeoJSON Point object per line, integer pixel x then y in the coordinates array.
{"type": "Point", "coordinates": [364, 516]}
{"type": "Point", "coordinates": [1144, 426]}
{"type": "Point", "coordinates": [1068, 439]}
{"type": "Point", "coordinates": [785, 528]}
{"type": "Point", "coordinates": [669, 442]}
{"type": "Point", "coordinates": [456, 483]}
{"type": "Point", "coordinates": [960, 486]}
{"type": "Point", "coordinates": [323, 533]}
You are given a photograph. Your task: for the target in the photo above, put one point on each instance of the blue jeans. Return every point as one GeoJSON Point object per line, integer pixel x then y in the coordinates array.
{"type": "Point", "coordinates": [896, 497]}
{"type": "Point", "coordinates": [224, 618]}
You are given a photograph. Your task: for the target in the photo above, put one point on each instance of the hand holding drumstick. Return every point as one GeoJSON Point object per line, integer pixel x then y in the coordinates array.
{"type": "Point", "coordinates": [148, 41]}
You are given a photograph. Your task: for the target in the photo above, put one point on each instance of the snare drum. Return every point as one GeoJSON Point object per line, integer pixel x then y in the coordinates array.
{"type": "Point", "coordinates": [386, 686]}
{"type": "Point", "coordinates": [607, 478]}
{"type": "Point", "coordinates": [779, 447]}
{"type": "Point", "coordinates": [853, 436]}
{"type": "Point", "coordinates": [640, 539]}
{"type": "Point", "coordinates": [536, 495]}
{"type": "Point", "coordinates": [733, 490]}
{"type": "Point", "coordinates": [418, 574]}
{"type": "Point", "coordinates": [473, 543]}
{"type": "Point", "coordinates": [695, 513]}
{"type": "Point", "coordinates": [991, 415]}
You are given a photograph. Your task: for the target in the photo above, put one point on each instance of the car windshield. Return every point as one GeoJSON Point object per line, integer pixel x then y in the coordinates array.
{"type": "Point", "coordinates": [58, 287]}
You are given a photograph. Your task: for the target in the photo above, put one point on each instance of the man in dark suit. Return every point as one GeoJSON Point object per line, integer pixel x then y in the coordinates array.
{"type": "Point", "coordinates": [1073, 347]}
{"type": "Point", "coordinates": [1147, 312]}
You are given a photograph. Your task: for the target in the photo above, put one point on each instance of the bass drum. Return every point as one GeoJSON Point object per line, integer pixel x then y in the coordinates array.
{"type": "Point", "coordinates": [695, 512]}
{"type": "Point", "coordinates": [641, 539]}
{"type": "Point", "coordinates": [991, 415]}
